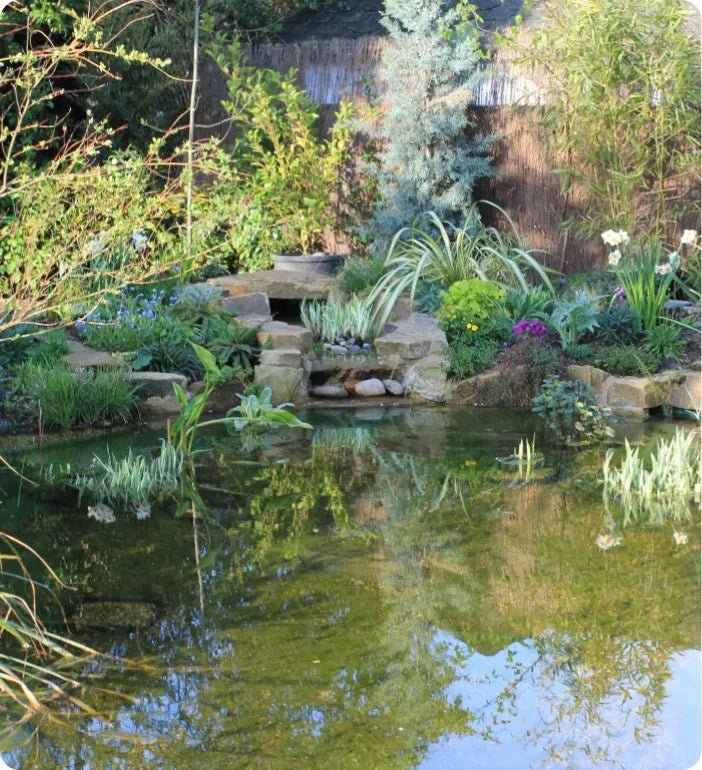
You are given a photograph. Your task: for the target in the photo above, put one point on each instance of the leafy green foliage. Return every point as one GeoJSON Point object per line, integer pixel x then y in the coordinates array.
{"type": "Point", "coordinates": [472, 299]}
{"type": "Point", "coordinates": [627, 361]}
{"type": "Point", "coordinates": [528, 304]}
{"type": "Point", "coordinates": [618, 324]}
{"type": "Point", "coordinates": [582, 352]}
{"type": "Point", "coordinates": [571, 319]}
{"type": "Point", "coordinates": [435, 251]}
{"type": "Point", "coordinates": [334, 319]}
{"type": "Point", "coordinates": [58, 397]}
{"type": "Point", "coordinates": [360, 274]}
{"type": "Point", "coordinates": [622, 107]}
{"type": "Point", "coordinates": [665, 341]}
{"type": "Point", "coordinates": [661, 490]}
{"type": "Point", "coordinates": [468, 359]}
{"type": "Point", "coordinates": [27, 342]}
{"type": "Point", "coordinates": [158, 331]}
{"type": "Point", "coordinates": [570, 411]}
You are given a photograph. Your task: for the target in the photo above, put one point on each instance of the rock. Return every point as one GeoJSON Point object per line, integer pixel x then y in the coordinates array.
{"type": "Point", "coordinates": [161, 406]}
{"type": "Point", "coordinates": [253, 321]}
{"type": "Point", "coordinates": [247, 304]}
{"type": "Point", "coordinates": [338, 350]}
{"type": "Point", "coordinates": [401, 311]}
{"type": "Point", "coordinates": [329, 391]}
{"type": "Point", "coordinates": [427, 378]}
{"type": "Point", "coordinates": [637, 393]}
{"type": "Point", "coordinates": [327, 346]}
{"type": "Point", "coordinates": [367, 346]}
{"type": "Point", "coordinates": [282, 357]}
{"type": "Point", "coordinates": [157, 383]}
{"type": "Point", "coordinates": [589, 375]}
{"type": "Point", "coordinates": [83, 357]}
{"type": "Point", "coordinates": [688, 395]}
{"type": "Point", "coordinates": [350, 385]}
{"type": "Point", "coordinates": [286, 383]}
{"type": "Point", "coordinates": [369, 388]}
{"type": "Point", "coordinates": [282, 335]}
{"type": "Point", "coordinates": [277, 284]}
{"type": "Point", "coordinates": [394, 388]}
{"type": "Point", "coordinates": [414, 338]}
{"type": "Point", "coordinates": [223, 397]}
{"type": "Point", "coordinates": [354, 349]}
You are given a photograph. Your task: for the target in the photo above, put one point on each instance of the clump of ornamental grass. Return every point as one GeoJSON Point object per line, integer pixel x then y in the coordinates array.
{"type": "Point", "coordinates": [36, 664]}
{"type": "Point", "coordinates": [333, 320]}
{"type": "Point", "coordinates": [660, 489]}
{"type": "Point", "coordinates": [131, 482]}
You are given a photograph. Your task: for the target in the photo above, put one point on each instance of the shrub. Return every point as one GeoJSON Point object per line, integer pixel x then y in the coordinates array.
{"type": "Point", "coordinates": [582, 352]}
{"type": "Point", "coordinates": [466, 360]}
{"type": "Point", "coordinates": [470, 300]}
{"type": "Point", "coordinates": [528, 304]}
{"type": "Point", "coordinates": [59, 397]}
{"type": "Point", "coordinates": [618, 324]}
{"type": "Point", "coordinates": [570, 411]}
{"type": "Point", "coordinates": [622, 107]}
{"type": "Point", "coordinates": [571, 319]}
{"type": "Point", "coordinates": [665, 341]}
{"type": "Point", "coordinates": [436, 251]}
{"type": "Point", "coordinates": [27, 342]}
{"type": "Point", "coordinates": [361, 274]}
{"type": "Point", "coordinates": [637, 362]}
{"type": "Point", "coordinates": [524, 366]}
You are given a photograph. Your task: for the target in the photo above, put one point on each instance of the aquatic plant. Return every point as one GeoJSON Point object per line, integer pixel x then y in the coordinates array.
{"type": "Point", "coordinates": [35, 663]}
{"type": "Point", "coordinates": [661, 489]}
{"type": "Point", "coordinates": [132, 481]}
{"type": "Point", "coordinates": [570, 410]}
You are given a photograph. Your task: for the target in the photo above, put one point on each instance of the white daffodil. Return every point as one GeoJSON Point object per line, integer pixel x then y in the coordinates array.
{"type": "Point", "coordinates": [623, 236]}
{"type": "Point", "coordinates": [610, 238]}
{"type": "Point", "coordinates": [664, 269]}
{"type": "Point", "coordinates": [688, 238]}
{"type": "Point", "coordinates": [680, 538]}
{"type": "Point", "coordinates": [614, 258]}
{"type": "Point", "coordinates": [139, 240]}
{"type": "Point", "coordinates": [605, 542]}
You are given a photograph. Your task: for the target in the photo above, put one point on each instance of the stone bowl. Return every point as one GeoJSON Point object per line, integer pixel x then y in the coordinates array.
{"type": "Point", "coordinates": [313, 264]}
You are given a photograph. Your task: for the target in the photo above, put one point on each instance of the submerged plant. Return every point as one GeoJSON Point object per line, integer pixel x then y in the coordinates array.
{"type": "Point", "coordinates": [660, 490]}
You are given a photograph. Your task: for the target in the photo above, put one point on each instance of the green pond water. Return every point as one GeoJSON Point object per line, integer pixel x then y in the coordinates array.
{"type": "Point", "coordinates": [378, 593]}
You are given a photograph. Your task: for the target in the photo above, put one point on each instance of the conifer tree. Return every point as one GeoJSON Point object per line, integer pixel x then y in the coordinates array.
{"type": "Point", "coordinates": [430, 157]}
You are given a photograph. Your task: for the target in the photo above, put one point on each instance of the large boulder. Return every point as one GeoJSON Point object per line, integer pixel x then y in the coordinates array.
{"type": "Point", "coordinates": [637, 393]}
{"type": "Point", "coordinates": [427, 378]}
{"type": "Point", "coordinates": [408, 340]}
{"type": "Point", "coordinates": [282, 357]}
{"type": "Point", "coordinates": [688, 394]}
{"type": "Point", "coordinates": [286, 383]}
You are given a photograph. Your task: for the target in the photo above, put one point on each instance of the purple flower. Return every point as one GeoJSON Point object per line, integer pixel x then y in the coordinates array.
{"type": "Point", "coordinates": [80, 326]}
{"type": "Point", "coordinates": [529, 328]}
{"type": "Point", "coordinates": [620, 294]}
{"type": "Point", "coordinates": [176, 268]}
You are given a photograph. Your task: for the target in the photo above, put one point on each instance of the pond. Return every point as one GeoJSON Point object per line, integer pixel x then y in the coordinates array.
{"type": "Point", "coordinates": [382, 592]}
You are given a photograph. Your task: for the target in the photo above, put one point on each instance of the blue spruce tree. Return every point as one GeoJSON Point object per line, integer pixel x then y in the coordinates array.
{"type": "Point", "coordinates": [430, 157]}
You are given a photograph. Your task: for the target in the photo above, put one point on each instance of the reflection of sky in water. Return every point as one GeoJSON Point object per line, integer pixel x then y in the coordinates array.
{"type": "Point", "coordinates": [676, 737]}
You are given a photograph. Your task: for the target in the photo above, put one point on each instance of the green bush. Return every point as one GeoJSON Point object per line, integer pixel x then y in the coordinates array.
{"type": "Point", "coordinates": [59, 397]}
{"type": "Point", "coordinates": [582, 352]}
{"type": "Point", "coordinates": [571, 319]}
{"type": "Point", "coordinates": [665, 341]}
{"type": "Point", "coordinates": [361, 274]}
{"type": "Point", "coordinates": [471, 311]}
{"type": "Point", "coordinates": [570, 411]}
{"type": "Point", "coordinates": [27, 342]}
{"type": "Point", "coordinates": [528, 304]}
{"type": "Point", "coordinates": [637, 362]}
{"type": "Point", "coordinates": [618, 324]}
{"type": "Point", "coordinates": [466, 360]}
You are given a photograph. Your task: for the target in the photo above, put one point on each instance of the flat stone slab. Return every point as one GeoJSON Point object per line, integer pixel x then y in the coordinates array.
{"type": "Point", "coordinates": [255, 304]}
{"type": "Point", "coordinates": [158, 383]}
{"type": "Point", "coordinates": [278, 334]}
{"type": "Point", "coordinates": [286, 383]}
{"type": "Point", "coordinates": [277, 284]}
{"type": "Point", "coordinates": [253, 321]}
{"type": "Point", "coordinates": [81, 356]}
{"type": "Point", "coordinates": [411, 339]}
{"type": "Point", "coordinates": [282, 357]}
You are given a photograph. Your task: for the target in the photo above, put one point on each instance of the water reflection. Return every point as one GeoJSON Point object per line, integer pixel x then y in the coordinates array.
{"type": "Point", "coordinates": [382, 595]}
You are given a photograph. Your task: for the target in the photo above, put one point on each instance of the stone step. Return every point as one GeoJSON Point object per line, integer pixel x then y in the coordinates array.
{"type": "Point", "coordinates": [278, 334]}
{"type": "Point", "coordinates": [81, 356]}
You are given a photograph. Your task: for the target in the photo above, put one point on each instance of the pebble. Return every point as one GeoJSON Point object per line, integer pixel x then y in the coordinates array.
{"type": "Point", "coordinates": [367, 346]}
{"type": "Point", "coordinates": [338, 350]}
{"type": "Point", "coordinates": [369, 388]}
{"type": "Point", "coordinates": [394, 388]}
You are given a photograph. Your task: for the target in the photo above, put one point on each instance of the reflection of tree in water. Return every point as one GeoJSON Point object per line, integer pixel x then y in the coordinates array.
{"type": "Point", "coordinates": [321, 648]}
